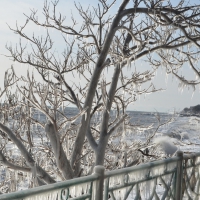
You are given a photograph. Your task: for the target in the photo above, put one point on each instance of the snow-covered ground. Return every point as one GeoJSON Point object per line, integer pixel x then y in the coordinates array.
{"type": "Point", "coordinates": [184, 133]}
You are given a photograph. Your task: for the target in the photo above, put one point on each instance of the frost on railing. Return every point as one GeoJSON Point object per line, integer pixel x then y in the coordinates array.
{"type": "Point", "coordinates": [81, 191]}
{"type": "Point", "coordinates": [46, 196]}
{"type": "Point", "coordinates": [78, 188]}
{"type": "Point", "coordinates": [173, 178]}
{"type": "Point", "coordinates": [75, 191]}
{"type": "Point", "coordinates": [191, 178]}
{"type": "Point", "coordinates": [145, 182]}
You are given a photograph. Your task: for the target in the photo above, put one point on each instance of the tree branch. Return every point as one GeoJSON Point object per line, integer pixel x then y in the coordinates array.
{"type": "Point", "coordinates": [30, 161]}
{"type": "Point", "coordinates": [4, 161]}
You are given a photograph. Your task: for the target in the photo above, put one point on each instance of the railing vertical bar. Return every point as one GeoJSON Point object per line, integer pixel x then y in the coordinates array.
{"type": "Point", "coordinates": [198, 181]}
{"type": "Point", "coordinates": [91, 189]}
{"type": "Point", "coordinates": [179, 176]}
{"type": "Point", "coordinates": [137, 196]}
{"type": "Point", "coordinates": [106, 186]}
{"type": "Point", "coordinates": [99, 170]}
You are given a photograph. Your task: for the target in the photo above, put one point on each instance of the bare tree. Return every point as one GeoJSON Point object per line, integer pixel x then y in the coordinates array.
{"type": "Point", "coordinates": [158, 32]}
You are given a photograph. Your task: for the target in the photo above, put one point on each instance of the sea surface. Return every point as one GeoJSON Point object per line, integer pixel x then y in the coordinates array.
{"type": "Point", "coordinates": [136, 117]}
{"type": "Point", "coordinates": [182, 131]}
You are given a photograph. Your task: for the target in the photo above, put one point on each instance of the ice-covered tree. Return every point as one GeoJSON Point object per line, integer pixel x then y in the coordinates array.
{"type": "Point", "coordinates": [157, 33]}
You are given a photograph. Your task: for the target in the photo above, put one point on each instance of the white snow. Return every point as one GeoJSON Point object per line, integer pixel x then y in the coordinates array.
{"type": "Point", "coordinates": [166, 145]}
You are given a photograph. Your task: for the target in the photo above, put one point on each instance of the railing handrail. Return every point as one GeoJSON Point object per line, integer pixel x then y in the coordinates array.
{"type": "Point", "coordinates": [148, 165]}
{"type": "Point", "coordinates": [190, 156]}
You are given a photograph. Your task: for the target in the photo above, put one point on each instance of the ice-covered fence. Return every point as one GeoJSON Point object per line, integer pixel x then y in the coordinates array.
{"type": "Point", "coordinates": [190, 184]}
{"type": "Point", "coordinates": [173, 178]}
{"type": "Point", "coordinates": [87, 187]}
{"type": "Point", "coordinates": [154, 180]}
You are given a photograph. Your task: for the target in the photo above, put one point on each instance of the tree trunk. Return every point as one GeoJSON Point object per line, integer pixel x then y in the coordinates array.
{"type": "Point", "coordinates": [100, 152]}
{"type": "Point", "coordinates": [61, 159]}
{"type": "Point", "coordinates": [91, 91]}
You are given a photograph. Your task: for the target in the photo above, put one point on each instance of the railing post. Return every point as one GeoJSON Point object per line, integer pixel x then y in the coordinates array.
{"type": "Point", "coordinates": [179, 176]}
{"type": "Point", "coordinates": [99, 170]}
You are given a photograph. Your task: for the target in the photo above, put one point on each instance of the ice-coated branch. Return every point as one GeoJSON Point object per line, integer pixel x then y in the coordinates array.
{"type": "Point", "coordinates": [10, 79]}
{"type": "Point", "coordinates": [146, 153]}
{"type": "Point", "coordinates": [110, 98]}
{"type": "Point", "coordinates": [193, 67]}
{"type": "Point", "coordinates": [61, 158]}
{"type": "Point", "coordinates": [185, 81]}
{"type": "Point", "coordinates": [29, 159]}
{"type": "Point", "coordinates": [120, 121]}
{"type": "Point", "coordinates": [76, 101]}
{"type": "Point", "coordinates": [91, 139]}
{"type": "Point", "coordinates": [5, 162]}
{"type": "Point", "coordinates": [155, 131]}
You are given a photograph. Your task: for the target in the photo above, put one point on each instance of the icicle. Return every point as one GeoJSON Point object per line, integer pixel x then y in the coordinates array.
{"type": "Point", "coordinates": [192, 95]}
{"type": "Point", "coordinates": [85, 115]}
{"type": "Point", "coordinates": [46, 196]}
{"type": "Point", "coordinates": [5, 79]}
{"type": "Point", "coordinates": [158, 170]}
{"type": "Point", "coordinates": [16, 175]}
{"type": "Point", "coordinates": [171, 166]}
{"type": "Point", "coordinates": [7, 174]}
{"type": "Point", "coordinates": [129, 63]}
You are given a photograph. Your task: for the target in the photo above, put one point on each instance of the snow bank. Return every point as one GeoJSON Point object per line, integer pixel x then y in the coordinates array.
{"type": "Point", "coordinates": [166, 144]}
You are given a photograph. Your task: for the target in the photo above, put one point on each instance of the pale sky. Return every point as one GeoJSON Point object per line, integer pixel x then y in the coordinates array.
{"type": "Point", "coordinates": [168, 100]}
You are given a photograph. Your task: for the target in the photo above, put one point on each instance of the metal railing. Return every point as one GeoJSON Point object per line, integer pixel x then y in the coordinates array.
{"type": "Point", "coordinates": [173, 178]}
{"type": "Point", "coordinates": [77, 188]}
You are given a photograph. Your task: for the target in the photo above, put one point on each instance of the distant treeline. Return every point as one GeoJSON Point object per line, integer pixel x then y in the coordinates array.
{"type": "Point", "coordinates": [192, 111]}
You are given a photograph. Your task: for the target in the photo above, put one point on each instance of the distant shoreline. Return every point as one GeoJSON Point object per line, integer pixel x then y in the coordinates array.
{"type": "Point", "coordinates": [189, 115]}
{"type": "Point", "coordinates": [192, 111]}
